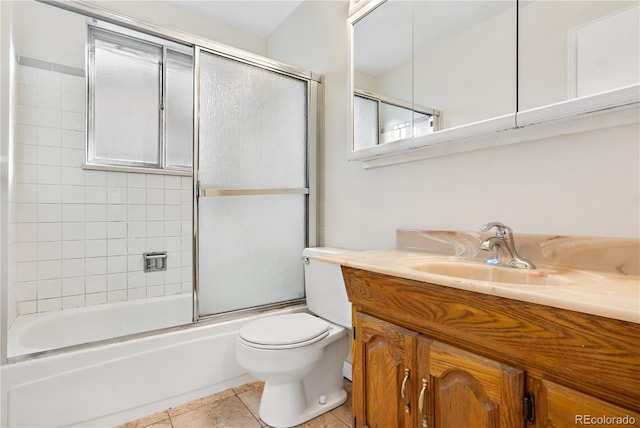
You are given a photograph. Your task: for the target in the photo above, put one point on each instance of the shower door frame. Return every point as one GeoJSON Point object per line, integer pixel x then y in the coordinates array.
{"type": "Point", "coordinates": [313, 96]}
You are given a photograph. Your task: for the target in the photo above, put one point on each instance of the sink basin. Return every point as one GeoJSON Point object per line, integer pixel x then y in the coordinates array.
{"type": "Point", "coordinates": [478, 271]}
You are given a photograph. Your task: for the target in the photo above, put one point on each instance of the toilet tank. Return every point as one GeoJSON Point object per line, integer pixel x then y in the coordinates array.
{"type": "Point", "coordinates": [324, 287]}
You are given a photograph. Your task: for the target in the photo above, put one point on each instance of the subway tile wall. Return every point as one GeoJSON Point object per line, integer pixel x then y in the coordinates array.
{"type": "Point", "coordinates": [80, 234]}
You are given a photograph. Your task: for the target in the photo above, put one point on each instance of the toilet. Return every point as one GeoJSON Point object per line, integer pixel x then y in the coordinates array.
{"type": "Point", "coordinates": [300, 356]}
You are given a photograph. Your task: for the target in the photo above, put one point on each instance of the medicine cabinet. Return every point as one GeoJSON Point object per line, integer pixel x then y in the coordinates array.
{"type": "Point", "coordinates": [431, 78]}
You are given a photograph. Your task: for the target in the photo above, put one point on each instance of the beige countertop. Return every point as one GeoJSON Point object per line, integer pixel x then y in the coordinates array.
{"type": "Point", "coordinates": [597, 292]}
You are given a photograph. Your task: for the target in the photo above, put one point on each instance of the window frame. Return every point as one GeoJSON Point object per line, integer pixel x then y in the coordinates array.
{"type": "Point", "coordinates": [434, 116]}
{"type": "Point", "coordinates": [143, 40]}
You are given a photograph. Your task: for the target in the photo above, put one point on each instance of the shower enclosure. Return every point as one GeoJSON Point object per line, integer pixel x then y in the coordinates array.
{"type": "Point", "coordinates": [81, 233]}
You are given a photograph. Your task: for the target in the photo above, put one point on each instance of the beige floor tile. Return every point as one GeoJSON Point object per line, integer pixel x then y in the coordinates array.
{"type": "Point", "coordinates": [347, 385]}
{"type": "Point", "coordinates": [248, 387]}
{"type": "Point", "coordinates": [251, 399]}
{"type": "Point", "coordinates": [148, 421]}
{"type": "Point", "coordinates": [327, 420]}
{"type": "Point", "coordinates": [201, 402]}
{"type": "Point", "coordinates": [345, 412]}
{"type": "Point", "coordinates": [162, 424]}
{"type": "Point", "coordinates": [226, 413]}
{"type": "Point", "coordinates": [235, 408]}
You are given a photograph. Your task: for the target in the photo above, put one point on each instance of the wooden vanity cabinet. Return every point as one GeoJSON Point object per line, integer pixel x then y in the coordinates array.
{"type": "Point", "coordinates": [425, 355]}
{"type": "Point", "coordinates": [468, 390]}
{"type": "Point", "coordinates": [382, 376]}
{"type": "Point", "coordinates": [560, 406]}
{"type": "Point", "coordinates": [403, 379]}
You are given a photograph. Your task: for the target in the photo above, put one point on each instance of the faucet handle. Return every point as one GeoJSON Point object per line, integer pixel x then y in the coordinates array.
{"type": "Point", "coordinates": [501, 229]}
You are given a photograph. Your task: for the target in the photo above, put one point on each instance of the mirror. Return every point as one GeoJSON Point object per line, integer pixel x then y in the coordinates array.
{"type": "Point", "coordinates": [422, 67]}
{"type": "Point", "coordinates": [382, 75]}
{"type": "Point", "coordinates": [572, 49]}
{"type": "Point", "coordinates": [465, 59]}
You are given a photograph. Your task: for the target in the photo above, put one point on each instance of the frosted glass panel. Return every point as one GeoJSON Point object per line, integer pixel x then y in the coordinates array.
{"type": "Point", "coordinates": [250, 250]}
{"type": "Point", "coordinates": [397, 123]}
{"type": "Point", "coordinates": [252, 126]}
{"type": "Point", "coordinates": [252, 134]}
{"type": "Point", "coordinates": [179, 106]}
{"type": "Point", "coordinates": [365, 123]}
{"type": "Point", "coordinates": [126, 90]}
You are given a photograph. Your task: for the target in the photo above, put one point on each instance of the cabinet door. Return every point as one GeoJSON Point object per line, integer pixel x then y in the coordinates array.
{"type": "Point", "coordinates": [559, 406]}
{"type": "Point", "coordinates": [383, 362]}
{"type": "Point", "coordinates": [470, 391]}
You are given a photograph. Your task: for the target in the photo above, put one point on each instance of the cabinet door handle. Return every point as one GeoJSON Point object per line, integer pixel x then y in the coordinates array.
{"type": "Point", "coordinates": [421, 403]}
{"type": "Point", "coordinates": [403, 392]}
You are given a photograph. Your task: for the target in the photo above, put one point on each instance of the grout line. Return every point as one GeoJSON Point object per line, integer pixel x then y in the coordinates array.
{"type": "Point", "coordinates": [170, 421]}
{"type": "Point", "coordinates": [249, 410]}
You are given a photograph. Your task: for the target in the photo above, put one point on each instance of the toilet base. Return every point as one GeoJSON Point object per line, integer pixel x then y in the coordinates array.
{"type": "Point", "coordinates": [293, 403]}
{"type": "Point", "coordinates": [297, 410]}
{"type": "Point", "coordinates": [299, 383]}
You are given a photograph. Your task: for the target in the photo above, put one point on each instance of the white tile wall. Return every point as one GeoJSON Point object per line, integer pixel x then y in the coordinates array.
{"type": "Point", "coordinates": [80, 234]}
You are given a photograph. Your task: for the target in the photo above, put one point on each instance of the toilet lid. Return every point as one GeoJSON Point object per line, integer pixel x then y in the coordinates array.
{"type": "Point", "coordinates": [281, 330]}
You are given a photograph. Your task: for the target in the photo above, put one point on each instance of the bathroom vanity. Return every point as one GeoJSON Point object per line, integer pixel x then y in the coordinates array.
{"type": "Point", "coordinates": [431, 350]}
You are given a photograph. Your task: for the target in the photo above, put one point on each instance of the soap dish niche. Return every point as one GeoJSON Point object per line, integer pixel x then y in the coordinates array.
{"type": "Point", "coordinates": [155, 261]}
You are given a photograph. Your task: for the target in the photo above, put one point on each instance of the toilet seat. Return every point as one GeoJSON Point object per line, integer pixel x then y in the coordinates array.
{"type": "Point", "coordinates": [284, 331]}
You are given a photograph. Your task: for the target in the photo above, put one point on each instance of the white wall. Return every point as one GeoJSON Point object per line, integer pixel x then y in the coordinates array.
{"type": "Point", "coordinates": [581, 184]}
{"type": "Point", "coordinates": [54, 35]}
{"type": "Point", "coordinates": [167, 15]}
{"type": "Point", "coordinates": [49, 34]}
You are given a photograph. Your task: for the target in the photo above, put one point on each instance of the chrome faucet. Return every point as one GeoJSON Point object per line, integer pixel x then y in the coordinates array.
{"type": "Point", "coordinates": [506, 254]}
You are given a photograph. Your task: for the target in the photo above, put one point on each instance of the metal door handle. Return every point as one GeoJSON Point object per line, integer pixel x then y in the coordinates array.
{"type": "Point", "coordinates": [403, 392]}
{"type": "Point", "coordinates": [421, 403]}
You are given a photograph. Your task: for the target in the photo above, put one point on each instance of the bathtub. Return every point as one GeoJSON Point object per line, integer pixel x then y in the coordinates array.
{"type": "Point", "coordinates": [113, 383]}
{"type": "Point", "coordinates": [49, 330]}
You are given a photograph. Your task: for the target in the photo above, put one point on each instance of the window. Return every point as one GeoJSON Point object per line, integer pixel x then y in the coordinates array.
{"type": "Point", "coordinates": [379, 119]}
{"type": "Point", "coordinates": [140, 101]}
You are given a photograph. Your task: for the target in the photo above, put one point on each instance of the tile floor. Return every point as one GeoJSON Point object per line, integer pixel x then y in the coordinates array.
{"type": "Point", "coordinates": [235, 408]}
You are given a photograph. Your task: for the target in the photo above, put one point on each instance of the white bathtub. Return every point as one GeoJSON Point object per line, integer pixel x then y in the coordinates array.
{"type": "Point", "coordinates": [50, 330]}
{"type": "Point", "coordinates": [107, 385]}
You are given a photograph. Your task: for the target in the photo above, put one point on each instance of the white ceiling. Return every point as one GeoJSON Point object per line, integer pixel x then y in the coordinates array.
{"type": "Point", "coordinates": [258, 16]}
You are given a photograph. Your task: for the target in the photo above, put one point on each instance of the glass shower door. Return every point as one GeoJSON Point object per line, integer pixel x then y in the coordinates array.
{"type": "Point", "coordinates": [253, 193]}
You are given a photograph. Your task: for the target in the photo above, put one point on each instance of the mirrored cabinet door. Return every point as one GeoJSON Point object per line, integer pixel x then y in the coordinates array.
{"type": "Point", "coordinates": [576, 49]}
{"type": "Point", "coordinates": [421, 67]}
{"type": "Point", "coordinates": [383, 75]}
{"type": "Point", "coordinates": [437, 77]}
{"type": "Point", "coordinates": [465, 59]}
